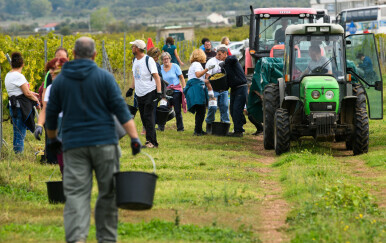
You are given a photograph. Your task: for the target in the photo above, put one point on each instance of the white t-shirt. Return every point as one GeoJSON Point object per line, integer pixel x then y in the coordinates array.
{"type": "Point", "coordinates": [13, 81]}
{"type": "Point", "coordinates": [144, 83]}
{"type": "Point", "coordinates": [195, 67]}
{"type": "Point", "coordinates": [47, 97]}
{"type": "Point", "coordinates": [213, 61]}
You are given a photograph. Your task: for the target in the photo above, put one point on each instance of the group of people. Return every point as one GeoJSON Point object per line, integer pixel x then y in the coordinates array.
{"type": "Point", "coordinates": [79, 101]}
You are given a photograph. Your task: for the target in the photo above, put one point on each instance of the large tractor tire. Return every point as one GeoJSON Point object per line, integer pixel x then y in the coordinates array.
{"type": "Point", "coordinates": [282, 132]}
{"type": "Point", "coordinates": [270, 104]}
{"type": "Point", "coordinates": [359, 92]}
{"type": "Point", "coordinates": [360, 103]}
{"type": "Point", "coordinates": [360, 142]}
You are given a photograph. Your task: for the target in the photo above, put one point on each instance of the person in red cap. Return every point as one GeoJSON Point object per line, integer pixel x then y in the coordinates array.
{"type": "Point", "coordinates": [147, 86]}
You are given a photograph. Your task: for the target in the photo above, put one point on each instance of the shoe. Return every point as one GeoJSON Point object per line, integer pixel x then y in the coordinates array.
{"type": "Point", "coordinates": [235, 134]}
{"type": "Point", "coordinates": [209, 128]}
{"type": "Point", "coordinates": [199, 133]}
{"type": "Point", "coordinates": [180, 130]}
{"type": "Point", "coordinates": [148, 145]}
{"type": "Point", "coordinates": [161, 129]}
{"type": "Point", "coordinates": [257, 132]}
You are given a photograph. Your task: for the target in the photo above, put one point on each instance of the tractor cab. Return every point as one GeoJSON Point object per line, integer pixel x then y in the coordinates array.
{"type": "Point", "coordinates": [267, 30]}
{"type": "Point", "coordinates": [327, 81]}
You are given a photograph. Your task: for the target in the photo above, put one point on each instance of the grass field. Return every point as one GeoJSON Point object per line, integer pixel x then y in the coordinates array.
{"type": "Point", "coordinates": [218, 189]}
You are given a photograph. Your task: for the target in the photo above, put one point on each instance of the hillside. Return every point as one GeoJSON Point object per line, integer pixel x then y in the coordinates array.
{"type": "Point", "coordinates": [121, 9]}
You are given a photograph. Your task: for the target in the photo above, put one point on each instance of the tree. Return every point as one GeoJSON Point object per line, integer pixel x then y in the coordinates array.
{"type": "Point", "coordinates": [65, 30]}
{"type": "Point", "coordinates": [39, 8]}
{"type": "Point", "coordinates": [101, 18]}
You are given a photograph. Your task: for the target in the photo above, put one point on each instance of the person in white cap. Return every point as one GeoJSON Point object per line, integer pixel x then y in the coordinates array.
{"type": "Point", "coordinates": [147, 86]}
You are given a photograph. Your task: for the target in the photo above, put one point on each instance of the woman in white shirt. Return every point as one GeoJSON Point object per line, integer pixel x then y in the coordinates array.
{"type": "Point", "coordinates": [17, 85]}
{"type": "Point", "coordinates": [196, 92]}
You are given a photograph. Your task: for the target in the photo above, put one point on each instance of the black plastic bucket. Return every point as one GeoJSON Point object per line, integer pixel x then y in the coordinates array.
{"type": "Point", "coordinates": [135, 189]}
{"type": "Point", "coordinates": [55, 192]}
{"type": "Point", "coordinates": [162, 113]}
{"type": "Point", "coordinates": [133, 110]}
{"type": "Point", "coordinates": [219, 84]}
{"type": "Point", "coordinates": [220, 128]}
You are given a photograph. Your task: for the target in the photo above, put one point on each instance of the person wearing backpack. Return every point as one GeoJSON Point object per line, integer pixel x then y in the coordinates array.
{"type": "Point", "coordinates": [147, 85]}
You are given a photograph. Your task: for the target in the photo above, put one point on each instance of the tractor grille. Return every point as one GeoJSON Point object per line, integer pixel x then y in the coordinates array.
{"type": "Point", "coordinates": [325, 123]}
{"type": "Point", "coordinates": [322, 106]}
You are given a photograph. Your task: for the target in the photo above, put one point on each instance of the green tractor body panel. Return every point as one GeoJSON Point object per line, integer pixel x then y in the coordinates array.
{"type": "Point", "coordinates": [322, 84]}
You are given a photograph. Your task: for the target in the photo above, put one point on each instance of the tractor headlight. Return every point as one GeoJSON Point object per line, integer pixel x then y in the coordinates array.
{"type": "Point", "coordinates": [329, 95]}
{"type": "Point", "coordinates": [324, 29]}
{"type": "Point", "coordinates": [315, 94]}
{"type": "Point", "coordinates": [311, 29]}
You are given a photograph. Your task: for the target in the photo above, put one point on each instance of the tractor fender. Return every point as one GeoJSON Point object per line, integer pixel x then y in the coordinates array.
{"type": "Point", "coordinates": [347, 109]}
{"type": "Point", "coordinates": [290, 102]}
{"type": "Point", "coordinates": [281, 83]}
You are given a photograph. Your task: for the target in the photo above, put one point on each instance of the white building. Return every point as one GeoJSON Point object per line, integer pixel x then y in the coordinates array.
{"type": "Point", "coordinates": [216, 18]}
{"type": "Point", "coordinates": [343, 4]}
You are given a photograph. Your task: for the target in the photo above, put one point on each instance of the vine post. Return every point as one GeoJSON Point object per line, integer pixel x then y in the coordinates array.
{"type": "Point", "coordinates": [45, 51]}
{"type": "Point", "coordinates": [124, 59]}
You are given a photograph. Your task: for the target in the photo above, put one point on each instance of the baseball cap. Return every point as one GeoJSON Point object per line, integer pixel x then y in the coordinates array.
{"type": "Point", "coordinates": [139, 43]}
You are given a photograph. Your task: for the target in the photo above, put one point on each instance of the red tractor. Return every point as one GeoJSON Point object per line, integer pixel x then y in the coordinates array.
{"type": "Point", "coordinates": [266, 31]}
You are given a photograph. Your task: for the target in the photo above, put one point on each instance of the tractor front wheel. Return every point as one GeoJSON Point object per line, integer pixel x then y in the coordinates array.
{"type": "Point", "coordinates": [361, 132]}
{"type": "Point", "coordinates": [282, 132]}
{"type": "Point", "coordinates": [270, 104]}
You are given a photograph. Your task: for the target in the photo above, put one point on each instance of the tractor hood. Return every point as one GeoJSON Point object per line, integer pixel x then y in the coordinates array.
{"type": "Point", "coordinates": [318, 82]}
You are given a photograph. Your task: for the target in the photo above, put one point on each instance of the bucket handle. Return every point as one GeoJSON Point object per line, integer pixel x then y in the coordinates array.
{"type": "Point", "coordinates": [51, 175]}
{"type": "Point", "coordinates": [152, 160]}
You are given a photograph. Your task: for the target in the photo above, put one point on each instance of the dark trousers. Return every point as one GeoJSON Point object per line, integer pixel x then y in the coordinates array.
{"type": "Point", "coordinates": [146, 110]}
{"type": "Point", "coordinates": [200, 116]}
{"type": "Point", "coordinates": [258, 125]}
{"type": "Point", "coordinates": [177, 102]}
{"type": "Point", "coordinates": [238, 100]}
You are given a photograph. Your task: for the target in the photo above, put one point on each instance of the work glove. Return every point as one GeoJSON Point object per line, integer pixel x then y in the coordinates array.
{"type": "Point", "coordinates": [54, 145]}
{"type": "Point", "coordinates": [211, 94]}
{"type": "Point", "coordinates": [38, 131]}
{"type": "Point", "coordinates": [129, 93]}
{"type": "Point", "coordinates": [159, 96]}
{"type": "Point", "coordinates": [135, 145]}
{"type": "Point", "coordinates": [211, 67]}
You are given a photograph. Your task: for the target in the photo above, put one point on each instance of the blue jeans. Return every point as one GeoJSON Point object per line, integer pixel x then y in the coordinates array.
{"type": "Point", "coordinates": [19, 131]}
{"type": "Point", "coordinates": [222, 103]}
{"type": "Point", "coordinates": [238, 100]}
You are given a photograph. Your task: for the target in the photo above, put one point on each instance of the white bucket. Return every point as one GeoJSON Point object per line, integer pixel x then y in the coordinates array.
{"type": "Point", "coordinates": [213, 103]}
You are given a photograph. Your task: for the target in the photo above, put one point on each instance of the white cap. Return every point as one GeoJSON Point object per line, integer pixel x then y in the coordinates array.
{"type": "Point", "coordinates": [222, 45]}
{"type": "Point", "coordinates": [139, 43]}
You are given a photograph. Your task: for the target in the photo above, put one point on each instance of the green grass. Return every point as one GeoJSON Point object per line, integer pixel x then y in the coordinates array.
{"type": "Point", "coordinates": [211, 189]}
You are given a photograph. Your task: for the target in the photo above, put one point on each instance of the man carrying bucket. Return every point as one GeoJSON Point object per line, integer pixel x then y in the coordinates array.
{"type": "Point", "coordinates": [221, 95]}
{"type": "Point", "coordinates": [239, 90]}
{"type": "Point", "coordinates": [88, 97]}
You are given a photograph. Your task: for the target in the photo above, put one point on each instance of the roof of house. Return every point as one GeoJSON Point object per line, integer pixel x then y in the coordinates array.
{"type": "Point", "coordinates": [50, 25]}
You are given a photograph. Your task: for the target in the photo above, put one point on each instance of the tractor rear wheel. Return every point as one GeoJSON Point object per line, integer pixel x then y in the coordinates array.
{"type": "Point", "coordinates": [360, 142]}
{"type": "Point", "coordinates": [270, 104]}
{"type": "Point", "coordinates": [282, 132]}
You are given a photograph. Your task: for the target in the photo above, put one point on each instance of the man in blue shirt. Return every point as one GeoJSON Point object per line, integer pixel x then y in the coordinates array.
{"type": "Point", "coordinates": [366, 65]}
{"type": "Point", "coordinates": [88, 97]}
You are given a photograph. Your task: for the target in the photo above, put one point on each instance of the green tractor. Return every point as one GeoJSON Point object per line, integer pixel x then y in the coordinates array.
{"type": "Point", "coordinates": [326, 82]}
